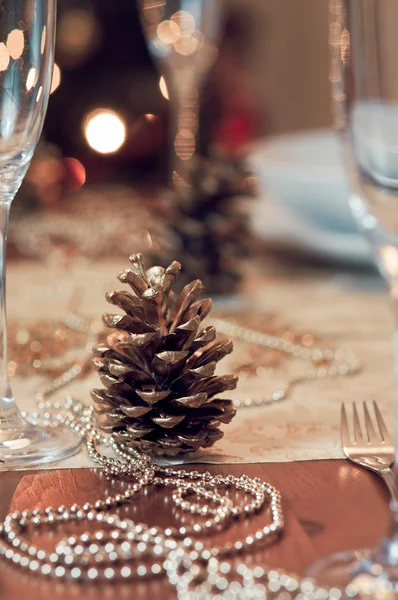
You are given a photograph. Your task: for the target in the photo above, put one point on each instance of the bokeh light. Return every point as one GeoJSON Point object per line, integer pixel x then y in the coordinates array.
{"type": "Point", "coordinates": [31, 79]}
{"type": "Point", "coordinates": [187, 45]}
{"type": "Point", "coordinates": [4, 57]}
{"type": "Point", "coordinates": [199, 39]}
{"type": "Point", "coordinates": [76, 173]}
{"type": "Point", "coordinates": [159, 48]}
{"type": "Point", "coordinates": [43, 39]}
{"type": "Point", "coordinates": [56, 80]}
{"type": "Point", "coordinates": [184, 144]}
{"type": "Point", "coordinates": [345, 47]}
{"type": "Point", "coordinates": [39, 93]}
{"type": "Point", "coordinates": [206, 57]}
{"type": "Point", "coordinates": [185, 22]}
{"type": "Point", "coordinates": [105, 130]}
{"type": "Point", "coordinates": [168, 32]}
{"type": "Point", "coordinates": [163, 88]}
{"type": "Point", "coordinates": [188, 119]}
{"type": "Point", "coordinates": [15, 43]}
{"type": "Point", "coordinates": [78, 35]}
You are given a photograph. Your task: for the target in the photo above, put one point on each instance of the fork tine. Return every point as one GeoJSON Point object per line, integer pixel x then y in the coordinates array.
{"type": "Point", "coordinates": [344, 431]}
{"type": "Point", "coordinates": [370, 430]}
{"type": "Point", "coordinates": [382, 426]}
{"type": "Point", "coordinates": [358, 436]}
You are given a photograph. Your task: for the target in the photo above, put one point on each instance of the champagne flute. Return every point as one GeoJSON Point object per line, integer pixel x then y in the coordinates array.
{"type": "Point", "coordinates": [181, 35]}
{"type": "Point", "coordinates": [27, 33]}
{"type": "Point", "coordinates": [364, 47]}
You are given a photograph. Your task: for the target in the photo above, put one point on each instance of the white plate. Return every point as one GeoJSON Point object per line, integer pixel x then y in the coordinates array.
{"type": "Point", "coordinates": [304, 203]}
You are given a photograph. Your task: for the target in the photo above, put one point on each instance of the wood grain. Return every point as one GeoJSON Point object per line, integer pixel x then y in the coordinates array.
{"type": "Point", "coordinates": [329, 506]}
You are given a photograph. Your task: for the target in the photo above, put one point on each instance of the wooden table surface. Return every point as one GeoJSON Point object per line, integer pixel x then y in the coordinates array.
{"type": "Point", "coordinates": [329, 506]}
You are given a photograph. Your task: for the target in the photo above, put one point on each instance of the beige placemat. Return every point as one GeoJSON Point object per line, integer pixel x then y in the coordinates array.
{"type": "Point", "coordinates": [304, 427]}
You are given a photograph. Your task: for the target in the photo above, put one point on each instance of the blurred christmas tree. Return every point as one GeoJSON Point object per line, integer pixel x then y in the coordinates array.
{"type": "Point", "coordinates": [108, 122]}
{"type": "Point", "coordinates": [108, 83]}
{"type": "Point", "coordinates": [106, 110]}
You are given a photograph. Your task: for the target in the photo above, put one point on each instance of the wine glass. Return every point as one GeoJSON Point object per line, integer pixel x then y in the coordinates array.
{"type": "Point", "coordinates": [181, 36]}
{"type": "Point", "coordinates": [364, 47]}
{"type": "Point", "coordinates": [27, 33]}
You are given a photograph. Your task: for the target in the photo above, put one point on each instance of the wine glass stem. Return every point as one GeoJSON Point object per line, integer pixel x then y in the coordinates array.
{"type": "Point", "coordinates": [187, 112]}
{"type": "Point", "coordinates": [9, 414]}
{"type": "Point", "coordinates": [387, 552]}
{"type": "Point", "coordinates": [393, 277]}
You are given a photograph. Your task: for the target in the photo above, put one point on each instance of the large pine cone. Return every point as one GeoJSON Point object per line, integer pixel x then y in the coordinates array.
{"type": "Point", "coordinates": [158, 368]}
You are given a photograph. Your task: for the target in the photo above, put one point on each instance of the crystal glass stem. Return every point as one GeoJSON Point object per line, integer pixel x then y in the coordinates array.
{"type": "Point", "coordinates": [395, 303]}
{"type": "Point", "coordinates": [387, 553]}
{"type": "Point", "coordinates": [363, 45]}
{"type": "Point", "coordinates": [187, 115]}
{"type": "Point", "coordinates": [28, 27]}
{"type": "Point", "coordinates": [9, 414]}
{"type": "Point", "coordinates": [181, 36]}
{"type": "Point", "coordinates": [381, 563]}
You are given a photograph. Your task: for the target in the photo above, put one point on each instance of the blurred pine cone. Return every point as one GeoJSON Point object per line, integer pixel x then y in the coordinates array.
{"type": "Point", "coordinates": [158, 368]}
{"type": "Point", "coordinates": [208, 216]}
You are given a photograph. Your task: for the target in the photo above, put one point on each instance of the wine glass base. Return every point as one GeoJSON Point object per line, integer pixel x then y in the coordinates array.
{"type": "Point", "coordinates": [358, 572]}
{"type": "Point", "coordinates": [32, 444]}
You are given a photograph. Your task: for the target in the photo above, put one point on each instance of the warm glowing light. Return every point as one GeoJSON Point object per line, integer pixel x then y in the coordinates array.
{"type": "Point", "coordinates": [77, 173]}
{"type": "Point", "coordinates": [163, 88]}
{"type": "Point", "coordinates": [336, 7]}
{"type": "Point", "coordinates": [206, 57]}
{"type": "Point", "coordinates": [334, 71]}
{"type": "Point", "coordinates": [159, 47]}
{"type": "Point", "coordinates": [4, 57]}
{"type": "Point", "coordinates": [77, 36]}
{"type": "Point", "coordinates": [31, 79]}
{"type": "Point", "coordinates": [199, 39]}
{"type": "Point", "coordinates": [39, 93]}
{"type": "Point", "coordinates": [188, 119]}
{"type": "Point", "coordinates": [345, 47]}
{"type": "Point", "coordinates": [334, 34]}
{"type": "Point", "coordinates": [185, 22]}
{"type": "Point", "coordinates": [15, 43]}
{"type": "Point", "coordinates": [43, 39]}
{"type": "Point", "coordinates": [168, 32]}
{"type": "Point", "coordinates": [105, 131]}
{"type": "Point", "coordinates": [184, 144]}
{"type": "Point", "coordinates": [390, 260]}
{"type": "Point", "coordinates": [56, 80]}
{"type": "Point", "coordinates": [186, 46]}
{"type": "Point", "coordinates": [150, 117]}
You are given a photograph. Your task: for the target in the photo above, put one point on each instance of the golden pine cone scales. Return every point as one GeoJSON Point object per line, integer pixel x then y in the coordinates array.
{"type": "Point", "coordinates": [158, 368]}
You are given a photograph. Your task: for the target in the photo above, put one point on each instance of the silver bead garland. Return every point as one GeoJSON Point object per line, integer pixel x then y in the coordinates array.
{"type": "Point", "coordinates": [107, 555]}
{"type": "Point", "coordinates": [121, 549]}
{"type": "Point", "coordinates": [339, 362]}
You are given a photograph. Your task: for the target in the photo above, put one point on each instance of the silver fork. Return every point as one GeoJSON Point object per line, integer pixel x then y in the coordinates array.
{"type": "Point", "coordinates": [375, 450]}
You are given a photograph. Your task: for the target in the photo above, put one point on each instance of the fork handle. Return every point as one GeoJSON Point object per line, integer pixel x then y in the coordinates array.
{"type": "Point", "coordinates": [390, 478]}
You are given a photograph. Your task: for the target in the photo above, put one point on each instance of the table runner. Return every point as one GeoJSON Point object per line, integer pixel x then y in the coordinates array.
{"type": "Point", "coordinates": [353, 315]}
